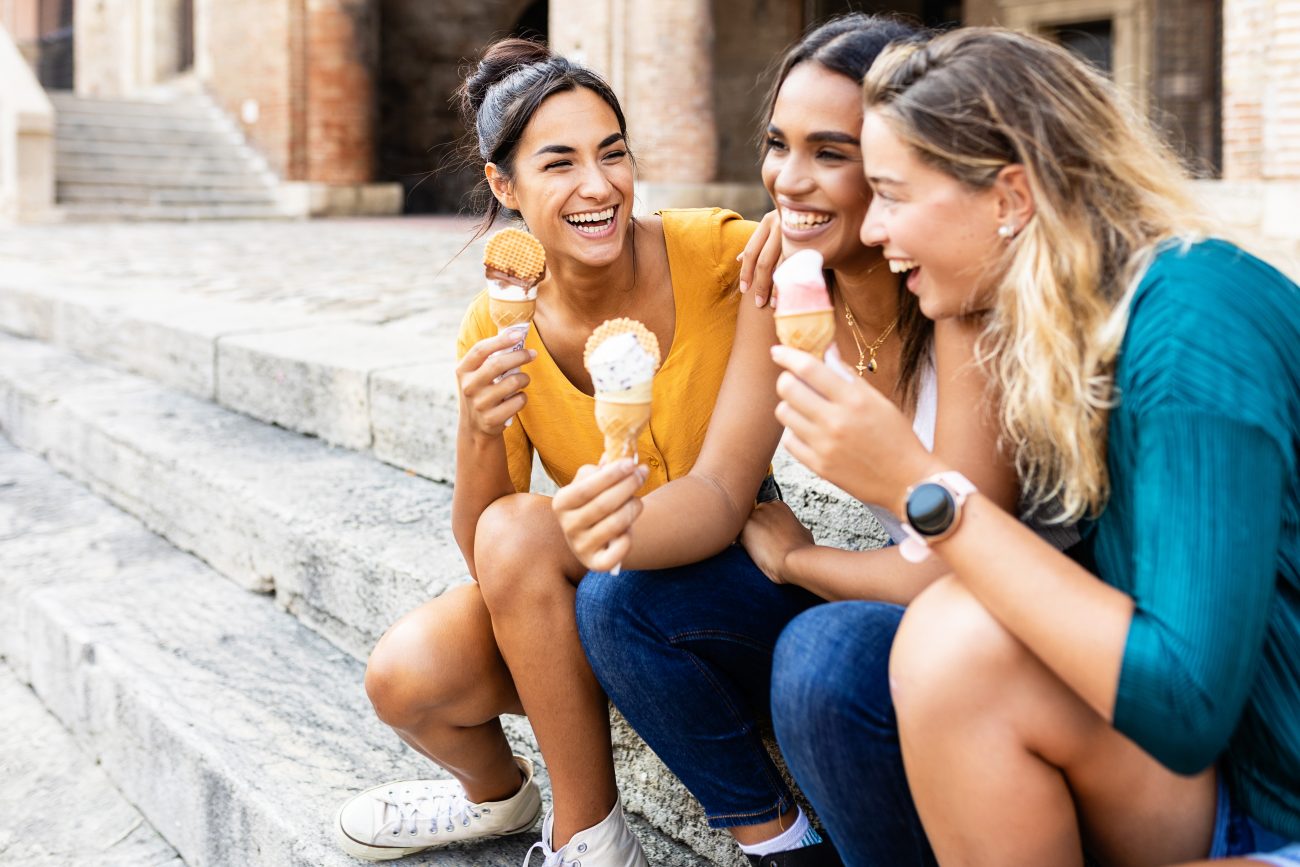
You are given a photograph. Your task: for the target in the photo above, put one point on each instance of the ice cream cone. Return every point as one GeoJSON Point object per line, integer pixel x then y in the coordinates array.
{"type": "Point", "coordinates": [509, 314]}
{"type": "Point", "coordinates": [621, 416]}
{"type": "Point", "coordinates": [812, 331]}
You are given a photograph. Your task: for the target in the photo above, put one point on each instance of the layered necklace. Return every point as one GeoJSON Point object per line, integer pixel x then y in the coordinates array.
{"type": "Point", "coordinates": [866, 351]}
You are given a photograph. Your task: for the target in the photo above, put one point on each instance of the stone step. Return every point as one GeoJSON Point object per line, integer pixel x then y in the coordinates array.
{"type": "Point", "coordinates": [71, 105]}
{"type": "Point", "coordinates": [343, 542]}
{"type": "Point", "coordinates": [89, 148]}
{"type": "Point", "coordinates": [203, 136]}
{"type": "Point", "coordinates": [211, 190]}
{"type": "Point", "coordinates": [166, 672]}
{"type": "Point", "coordinates": [61, 808]}
{"type": "Point", "coordinates": [174, 177]}
{"type": "Point", "coordinates": [151, 163]}
{"type": "Point", "coordinates": [120, 212]}
{"type": "Point", "coordinates": [145, 122]}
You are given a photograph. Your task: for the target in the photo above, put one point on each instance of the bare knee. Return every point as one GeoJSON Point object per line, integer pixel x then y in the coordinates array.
{"type": "Point", "coordinates": [428, 660]}
{"type": "Point", "coordinates": [950, 656]}
{"type": "Point", "coordinates": [520, 556]}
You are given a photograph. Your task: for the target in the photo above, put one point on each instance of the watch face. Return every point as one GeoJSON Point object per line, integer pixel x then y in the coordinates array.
{"type": "Point", "coordinates": [930, 509]}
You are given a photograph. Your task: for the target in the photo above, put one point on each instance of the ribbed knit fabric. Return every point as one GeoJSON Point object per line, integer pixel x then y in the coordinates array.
{"type": "Point", "coordinates": [1203, 525]}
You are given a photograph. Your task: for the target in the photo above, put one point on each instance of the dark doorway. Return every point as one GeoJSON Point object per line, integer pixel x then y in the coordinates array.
{"type": "Point", "coordinates": [185, 58]}
{"type": "Point", "coordinates": [54, 56]}
{"type": "Point", "coordinates": [420, 141]}
{"type": "Point", "coordinates": [532, 24]}
{"type": "Point", "coordinates": [1187, 81]}
{"type": "Point", "coordinates": [932, 13]}
{"type": "Point", "coordinates": [1094, 41]}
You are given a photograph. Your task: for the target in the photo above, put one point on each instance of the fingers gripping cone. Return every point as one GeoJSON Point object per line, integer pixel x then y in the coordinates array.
{"type": "Point", "coordinates": [622, 356]}
{"type": "Point", "coordinates": [805, 318]}
{"type": "Point", "coordinates": [514, 262]}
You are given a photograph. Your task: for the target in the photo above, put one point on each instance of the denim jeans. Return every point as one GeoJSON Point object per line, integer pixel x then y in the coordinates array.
{"type": "Point", "coordinates": [686, 655]}
{"type": "Point", "coordinates": [834, 719]}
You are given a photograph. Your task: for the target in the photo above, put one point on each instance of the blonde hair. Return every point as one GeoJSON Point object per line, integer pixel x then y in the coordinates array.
{"type": "Point", "coordinates": [1106, 193]}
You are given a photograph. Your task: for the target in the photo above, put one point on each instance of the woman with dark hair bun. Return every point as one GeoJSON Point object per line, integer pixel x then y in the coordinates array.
{"type": "Point", "coordinates": [553, 143]}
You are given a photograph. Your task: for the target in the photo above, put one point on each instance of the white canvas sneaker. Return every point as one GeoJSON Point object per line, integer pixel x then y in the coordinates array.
{"type": "Point", "coordinates": [402, 818]}
{"type": "Point", "coordinates": [609, 844]}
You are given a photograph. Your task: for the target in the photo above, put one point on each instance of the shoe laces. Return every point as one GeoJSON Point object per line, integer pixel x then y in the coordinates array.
{"type": "Point", "coordinates": [442, 810]}
{"type": "Point", "coordinates": [549, 858]}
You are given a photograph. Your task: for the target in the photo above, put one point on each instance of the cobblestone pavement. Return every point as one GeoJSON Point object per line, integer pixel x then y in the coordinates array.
{"type": "Point", "coordinates": [397, 271]}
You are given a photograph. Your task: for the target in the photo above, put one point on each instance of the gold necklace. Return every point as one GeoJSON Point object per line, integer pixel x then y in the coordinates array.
{"type": "Point", "coordinates": [865, 364]}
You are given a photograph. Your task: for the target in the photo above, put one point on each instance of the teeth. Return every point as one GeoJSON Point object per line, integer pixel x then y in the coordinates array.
{"type": "Point", "coordinates": [802, 219]}
{"type": "Point", "coordinates": [592, 217]}
{"type": "Point", "coordinates": [898, 266]}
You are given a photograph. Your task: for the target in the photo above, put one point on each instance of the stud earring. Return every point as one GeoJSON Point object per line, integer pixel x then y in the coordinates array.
{"type": "Point", "coordinates": [1006, 231]}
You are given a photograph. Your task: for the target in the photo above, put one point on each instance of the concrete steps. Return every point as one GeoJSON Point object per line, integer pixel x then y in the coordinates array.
{"type": "Point", "coordinates": [175, 159]}
{"type": "Point", "coordinates": [343, 543]}
{"type": "Point", "coordinates": [232, 728]}
{"type": "Point", "coordinates": [45, 781]}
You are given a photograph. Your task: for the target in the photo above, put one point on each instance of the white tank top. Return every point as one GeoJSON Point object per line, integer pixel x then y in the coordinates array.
{"type": "Point", "coordinates": [923, 424]}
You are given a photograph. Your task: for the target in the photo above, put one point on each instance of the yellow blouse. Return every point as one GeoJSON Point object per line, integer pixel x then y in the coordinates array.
{"type": "Point", "coordinates": [559, 420]}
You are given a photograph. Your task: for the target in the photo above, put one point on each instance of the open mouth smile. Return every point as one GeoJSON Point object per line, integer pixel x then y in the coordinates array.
{"type": "Point", "coordinates": [593, 223]}
{"type": "Point", "coordinates": [799, 223]}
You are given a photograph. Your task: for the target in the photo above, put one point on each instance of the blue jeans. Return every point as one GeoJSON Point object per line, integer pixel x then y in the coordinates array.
{"type": "Point", "coordinates": [1236, 835]}
{"type": "Point", "coordinates": [686, 655]}
{"type": "Point", "coordinates": [834, 719]}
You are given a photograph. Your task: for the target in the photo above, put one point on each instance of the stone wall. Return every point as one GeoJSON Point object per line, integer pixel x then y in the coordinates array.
{"type": "Point", "coordinates": [1261, 90]}
{"type": "Point", "coordinates": [299, 78]}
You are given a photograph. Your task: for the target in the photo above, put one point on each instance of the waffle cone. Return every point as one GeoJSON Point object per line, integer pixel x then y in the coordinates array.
{"type": "Point", "coordinates": [510, 313]}
{"type": "Point", "coordinates": [517, 256]}
{"type": "Point", "coordinates": [621, 416]}
{"type": "Point", "coordinates": [812, 331]}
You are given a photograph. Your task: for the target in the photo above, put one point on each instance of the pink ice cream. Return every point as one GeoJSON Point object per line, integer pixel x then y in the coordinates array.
{"type": "Point", "coordinates": [800, 284]}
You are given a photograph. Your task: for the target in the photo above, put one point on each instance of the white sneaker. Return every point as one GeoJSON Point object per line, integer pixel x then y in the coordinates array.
{"type": "Point", "coordinates": [609, 844]}
{"type": "Point", "coordinates": [402, 818]}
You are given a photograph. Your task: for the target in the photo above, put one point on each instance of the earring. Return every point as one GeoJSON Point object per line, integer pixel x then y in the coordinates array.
{"type": "Point", "coordinates": [1006, 231]}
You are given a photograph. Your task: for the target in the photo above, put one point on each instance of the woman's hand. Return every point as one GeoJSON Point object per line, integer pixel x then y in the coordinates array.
{"type": "Point", "coordinates": [490, 384]}
{"type": "Point", "coordinates": [770, 535]}
{"type": "Point", "coordinates": [596, 511]}
{"type": "Point", "coordinates": [760, 257]}
{"type": "Point", "coordinates": [846, 431]}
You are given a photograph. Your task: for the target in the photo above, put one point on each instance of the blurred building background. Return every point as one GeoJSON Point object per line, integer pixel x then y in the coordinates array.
{"type": "Point", "coordinates": [344, 102]}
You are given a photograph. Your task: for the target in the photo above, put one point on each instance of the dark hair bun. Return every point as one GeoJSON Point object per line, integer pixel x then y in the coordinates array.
{"type": "Point", "coordinates": [497, 62]}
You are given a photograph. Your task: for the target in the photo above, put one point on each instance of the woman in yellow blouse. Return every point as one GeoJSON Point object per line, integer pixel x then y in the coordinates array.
{"type": "Point", "coordinates": [553, 140]}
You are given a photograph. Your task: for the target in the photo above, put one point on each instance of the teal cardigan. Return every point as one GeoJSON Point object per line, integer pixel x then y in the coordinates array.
{"type": "Point", "coordinates": [1203, 523]}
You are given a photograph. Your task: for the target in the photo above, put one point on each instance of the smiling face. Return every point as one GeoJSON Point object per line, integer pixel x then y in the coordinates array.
{"type": "Point", "coordinates": [572, 179]}
{"type": "Point", "coordinates": [813, 166]}
{"type": "Point", "coordinates": [939, 230]}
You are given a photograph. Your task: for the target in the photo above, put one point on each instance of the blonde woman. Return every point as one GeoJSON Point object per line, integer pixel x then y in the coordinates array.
{"type": "Point", "coordinates": [1151, 716]}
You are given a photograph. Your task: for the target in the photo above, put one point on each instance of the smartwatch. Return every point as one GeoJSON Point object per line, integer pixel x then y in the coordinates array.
{"type": "Point", "coordinates": [933, 512]}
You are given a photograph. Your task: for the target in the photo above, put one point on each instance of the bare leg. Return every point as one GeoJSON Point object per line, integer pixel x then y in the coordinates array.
{"type": "Point", "coordinates": [529, 576]}
{"type": "Point", "coordinates": [1008, 766]}
{"type": "Point", "coordinates": [436, 677]}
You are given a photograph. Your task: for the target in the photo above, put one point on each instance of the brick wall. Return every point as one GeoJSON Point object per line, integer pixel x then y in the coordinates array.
{"type": "Point", "coordinates": [1261, 90]}
{"type": "Point", "coordinates": [307, 65]}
